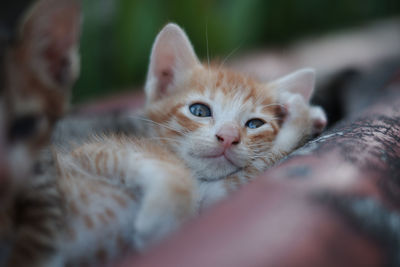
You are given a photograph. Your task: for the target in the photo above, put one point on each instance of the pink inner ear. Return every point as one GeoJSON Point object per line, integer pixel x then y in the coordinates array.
{"type": "Point", "coordinates": [59, 66]}
{"type": "Point", "coordinates": [305, 90]}
{"type": "Point", "coordinates": [172, 57]}
{"type": "Point", "coordinates": [164, 72]}
{"type": "Point", "coordinates": [166, 77]}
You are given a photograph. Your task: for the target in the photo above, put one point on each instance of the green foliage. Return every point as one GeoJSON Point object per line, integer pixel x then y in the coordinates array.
{"type": "Point", "coordinates": [118, 34]}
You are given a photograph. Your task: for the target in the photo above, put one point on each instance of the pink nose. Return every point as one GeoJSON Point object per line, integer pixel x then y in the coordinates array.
{"type": "Point", "coordinates": [228, 135]}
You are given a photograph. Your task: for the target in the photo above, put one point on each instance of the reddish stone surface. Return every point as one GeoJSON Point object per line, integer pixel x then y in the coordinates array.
{"type": "Point", "coordinates": [266, 224]}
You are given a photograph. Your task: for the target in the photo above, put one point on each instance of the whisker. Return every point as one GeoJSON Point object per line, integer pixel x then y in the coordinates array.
{"type": "Point", "coordinates": [230, 54]}
{"type": "Point", "coordinates": [272, 104]}
{"type": "Point", "coordinates": [258, 156]}
{"type": "Point", "coordinates": [257, 150]}
{"type": "Point", "coordinates": [164, 138]}
{"type": "Point", "coordinates": [164, 126]}
{"type": "Point", "coordinates": [273, 119]}
{"type": "Point", "coordinates": [259, 143]}
{"type": "Point", "coordinates": [208, 55]}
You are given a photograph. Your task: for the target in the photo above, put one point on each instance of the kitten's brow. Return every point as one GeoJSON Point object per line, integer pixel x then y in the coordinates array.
{"type": "Point", "coordinates": [273, 104]}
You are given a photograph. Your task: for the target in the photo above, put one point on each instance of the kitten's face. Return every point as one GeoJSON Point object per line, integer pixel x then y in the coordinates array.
{"type": "Point", "coordinates": [217, 121]}
{"type": "Point", "coordinates": [221, 123]}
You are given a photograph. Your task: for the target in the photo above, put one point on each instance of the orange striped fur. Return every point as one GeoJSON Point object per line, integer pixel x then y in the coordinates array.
{"type": "Point", "coordinates": [115, 194]}
{"type": "Point", "coordinates": [123, 193]}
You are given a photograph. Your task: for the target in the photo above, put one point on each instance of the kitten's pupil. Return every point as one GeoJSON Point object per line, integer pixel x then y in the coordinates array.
{"type": "Point", "coordinates": [254, 123]}
{"type": "Point", "coordinates": [200, 110]}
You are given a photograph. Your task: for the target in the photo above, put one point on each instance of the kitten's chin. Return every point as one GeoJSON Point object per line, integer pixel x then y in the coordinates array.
{"type": "Point", "coordinates": [212, 168]}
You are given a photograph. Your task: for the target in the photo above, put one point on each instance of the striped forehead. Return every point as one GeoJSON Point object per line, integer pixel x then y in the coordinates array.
{"type": "Point", "coordinates": [229, 106]}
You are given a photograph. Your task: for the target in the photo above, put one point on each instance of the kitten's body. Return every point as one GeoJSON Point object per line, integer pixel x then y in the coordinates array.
{"type": "Point", "coordinates": [114, 194]}
{"type": "Point", "coordinates": [124, 193]}
{"type": "Point", "coordinates": [105, 197]}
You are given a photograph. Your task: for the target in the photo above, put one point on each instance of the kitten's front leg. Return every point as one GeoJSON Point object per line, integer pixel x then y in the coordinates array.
{"type": "Point", "coordinates": [168, 199]}
{"type": "Point", "coordinates": [301, 122]}
{"type": "Point", "coordinates": [165, 189]}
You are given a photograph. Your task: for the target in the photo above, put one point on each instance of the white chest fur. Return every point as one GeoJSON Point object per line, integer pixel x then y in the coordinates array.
{"type": "Point", "coordinates": [210, 193]}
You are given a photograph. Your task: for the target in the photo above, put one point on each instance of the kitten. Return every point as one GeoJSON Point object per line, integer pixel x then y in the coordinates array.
{"type": "Point", "coordinates": [225, 126]}
{"type": "Point", "coordinates": [210, 131]}
{"type": "Point", "coordinates": [39, 68]}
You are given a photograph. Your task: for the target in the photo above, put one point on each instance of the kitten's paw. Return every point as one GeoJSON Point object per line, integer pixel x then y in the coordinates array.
{"type": "Point", "coordinates": [166, 205]}
{"type": "Point", "coordinates": [297, 110]}
{"type": "Point", "coordinates": [153, 225]}
{"type": "Point", "coordinates": [318, 118]}
{"type": "Point", "coordinates": [152, 228]}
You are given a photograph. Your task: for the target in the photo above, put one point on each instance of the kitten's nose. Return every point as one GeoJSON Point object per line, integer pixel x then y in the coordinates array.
{"type": "Point", "coordinates": [228, 135]}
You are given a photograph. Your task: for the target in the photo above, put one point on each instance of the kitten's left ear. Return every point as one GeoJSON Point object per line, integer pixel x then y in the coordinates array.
{"type": "Point", "coordinates": [300, 82]}
{"type": "Point", "coordinates": [172, 58]}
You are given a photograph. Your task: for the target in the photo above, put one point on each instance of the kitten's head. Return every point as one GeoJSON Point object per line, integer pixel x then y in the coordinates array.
{"type": "Point", "coordinates": [39, 67]}
{"type": "Point", "coordinates": [218, 121]}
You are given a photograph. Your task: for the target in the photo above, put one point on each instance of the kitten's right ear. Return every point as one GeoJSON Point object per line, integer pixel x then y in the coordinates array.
{"type": "Point", "coordinates": [42, 62]}
{"type": "Point", "coordinates": [171, 59]}
{"type": "Point", "coordinates": [49, 35]}
{"type": "Point", "coordinates": [40, 66]}
{"type": "Point", "coordinates": [300, 82]}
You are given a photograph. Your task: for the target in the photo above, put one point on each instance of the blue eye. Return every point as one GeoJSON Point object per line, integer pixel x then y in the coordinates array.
{"type": "Point", "coordinates": [254, 123]}
{"type": "Point", "coordinates": [200, 110]}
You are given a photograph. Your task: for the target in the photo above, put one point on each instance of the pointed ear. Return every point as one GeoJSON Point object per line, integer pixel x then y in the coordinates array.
{"type": "Point", "coordinates": [49, 36]}
{"type": "Point", "coordinates": [42, 63]}
{"type": "Point", "coordinates": [300, 82]}
{"type": "Point", "coordinates": [172, 58]}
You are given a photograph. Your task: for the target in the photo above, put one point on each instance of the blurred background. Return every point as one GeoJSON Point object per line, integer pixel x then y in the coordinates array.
{"type": "Point", "coordinates": [118, 34]}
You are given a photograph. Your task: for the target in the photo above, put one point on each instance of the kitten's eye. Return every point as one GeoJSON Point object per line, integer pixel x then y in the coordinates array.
{"type": "Point", "coordinates": [23, 127]}
{"type": "Point", "coordinates": [200, 110]}
{"type": "Point", "coordinates": [254, 123]}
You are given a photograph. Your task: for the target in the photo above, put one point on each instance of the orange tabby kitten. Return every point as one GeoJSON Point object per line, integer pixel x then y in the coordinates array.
{"type": "Point", "coordinates": [39, 68]}
{"type": "Point", "coordinates": [210, 131]}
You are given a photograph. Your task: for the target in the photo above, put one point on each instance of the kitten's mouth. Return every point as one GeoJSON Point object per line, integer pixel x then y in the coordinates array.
{"type": "Point", "coordinates": [216, 165]}
{"type": "Point", "coordinates": [224, 156]}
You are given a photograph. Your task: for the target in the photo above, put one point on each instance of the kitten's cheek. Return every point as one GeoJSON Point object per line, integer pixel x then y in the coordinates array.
{"type": "Point", "coordinates": [235, 159]}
